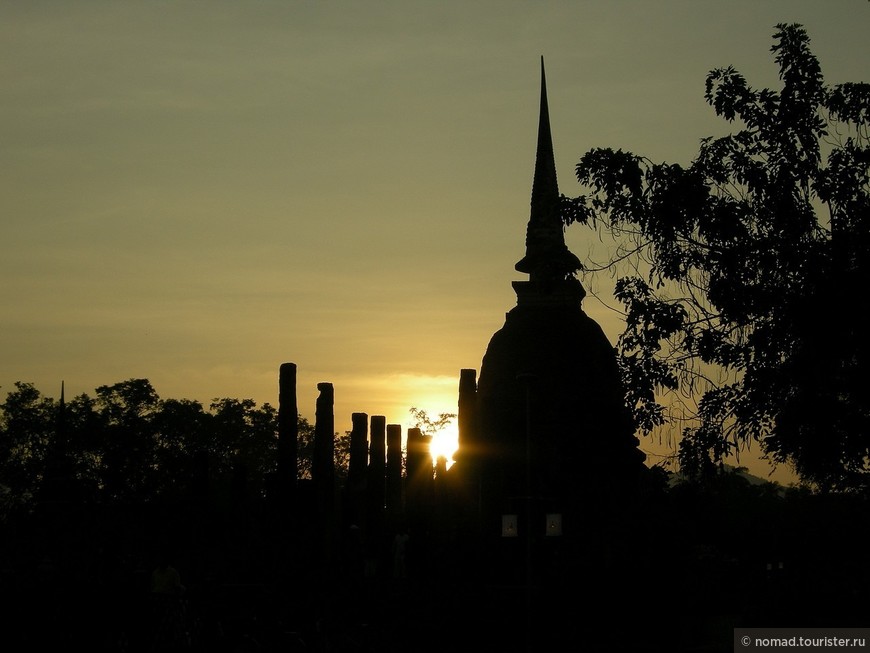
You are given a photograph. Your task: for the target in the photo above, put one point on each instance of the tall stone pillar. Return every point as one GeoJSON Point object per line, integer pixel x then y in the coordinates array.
{"type": "Point", "coordinates": [467, 421]}
{"type": "Point", "coordinates": [394, 481]}
{"type": "Point", "coordinates": [323, 468]}
{"type": "Point", "coordinates": [288, 434]}
{"type": "Point", "coordinates": [376, 477]}
{"type": "Point", "coordinates": [375, 486]}
{"type": "Point", "coordinates": [419, 503]}
{"type": "Point", "coordinates": [418, 485]}
{"type": "Point", "coordinates": [356, 471]}
{"type": "Point", "coordinates": [376, 534]}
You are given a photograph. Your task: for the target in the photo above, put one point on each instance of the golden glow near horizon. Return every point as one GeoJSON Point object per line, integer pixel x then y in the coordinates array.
{"type": "Point", "coordinates": [445, 443]}
{"type": "Point", "coordinates": [196, 193]}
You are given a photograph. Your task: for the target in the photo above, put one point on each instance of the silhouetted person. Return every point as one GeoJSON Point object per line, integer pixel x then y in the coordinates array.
{"type": "Point", "coordinates": [167, 593]}
{"type": "Point", "coordinates": [165, 579]}
{"type": "Point", "coordinates": [400, 554]}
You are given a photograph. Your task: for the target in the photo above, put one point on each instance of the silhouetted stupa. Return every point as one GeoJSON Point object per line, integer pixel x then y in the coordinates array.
{"type": "Point", "coordinates": [552, 423]}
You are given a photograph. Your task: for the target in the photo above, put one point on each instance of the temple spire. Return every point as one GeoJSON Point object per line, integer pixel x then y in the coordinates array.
{"type": "Point", "coordinates": [545, 187]}
{"type": "Point", "coordinates": [547, 257]}
{"type": "Point", "coordinates": [61, 414]}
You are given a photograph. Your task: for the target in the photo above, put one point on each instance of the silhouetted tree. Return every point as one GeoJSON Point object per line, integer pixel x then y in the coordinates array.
{"type": "Point", "coordinates": [129, 445]}
{"type": "Point", "coordinates": [27, 423]}
{"type": "Point", "coordinates": [744, 266]}
{"type": "Point", "coordinates": [128, 440]}
{"type": "Point", "coordinates": [183, 447]}
{"type": "Point", "coordinates": [83, 427]}
{"type": "Point", "coordinates": [427, 425]}
{"type": "Point", "coordinates": [244, 440]}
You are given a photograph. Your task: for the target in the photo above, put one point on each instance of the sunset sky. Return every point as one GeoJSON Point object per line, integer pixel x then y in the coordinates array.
{"type": "Point", "coordinates": [197, 192]}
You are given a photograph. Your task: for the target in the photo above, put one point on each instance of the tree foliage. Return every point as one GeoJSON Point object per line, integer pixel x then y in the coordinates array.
{"type": "Point", "coordinates": [746, 271]}
{"type": "Point", "coordinates": [28, 422]}
{"type": "Point", "coordinates": [126, 444]}
{"type": "Point", "coordinates": [429, 426]}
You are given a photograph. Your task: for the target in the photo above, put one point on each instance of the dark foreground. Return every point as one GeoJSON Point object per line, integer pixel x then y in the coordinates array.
{"type": "Point", "coordinates": [679, 580]}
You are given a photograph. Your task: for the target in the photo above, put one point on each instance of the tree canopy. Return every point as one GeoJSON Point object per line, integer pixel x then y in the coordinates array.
{"type": "Point", "coordinates": [741, 273]}
{"type": "Point", "coordinates": [126, 444]}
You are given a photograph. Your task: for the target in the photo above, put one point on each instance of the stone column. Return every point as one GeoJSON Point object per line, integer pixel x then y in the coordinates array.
{"type": "Point", "coordinates": [394, 481]}
{"type": "Point", "coordinates": [356, 471]}
{"type": "Point", "coordinates": [323, 468]}
{"type": "Point", "coordinates": [419, 500]}
{"type": "Point", "coordinates": [288, 434]}
{"type": "Point", "coordinates": [375, 487]}
{"type": "Point", "coordinates": [467, 418]}
{"type": "Point", "coordinates": [376, 535]}
{"type": "Point", "coordinates": [418, 487]}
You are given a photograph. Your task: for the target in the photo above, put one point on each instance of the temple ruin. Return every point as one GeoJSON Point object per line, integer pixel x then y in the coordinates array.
{"type": "Point", "coordinates": [548, 469]}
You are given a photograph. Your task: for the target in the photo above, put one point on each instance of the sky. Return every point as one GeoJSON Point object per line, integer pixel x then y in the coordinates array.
{"type": "Point", "coordinates": [197, 192]}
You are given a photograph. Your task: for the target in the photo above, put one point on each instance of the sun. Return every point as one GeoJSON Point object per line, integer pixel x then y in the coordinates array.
{"type": "Point", "coordinates": [444, 443]}
{"type": "Point", "coordinates": [440, 425]}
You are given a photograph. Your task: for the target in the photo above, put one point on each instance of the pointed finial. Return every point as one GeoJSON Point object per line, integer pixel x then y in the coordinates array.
{"type": "Point", "coordinates": [545, 187]}
{"type": "Point", "coordinates": [547, 256]}
{"type": "Point", "coordinates": [60, 426]}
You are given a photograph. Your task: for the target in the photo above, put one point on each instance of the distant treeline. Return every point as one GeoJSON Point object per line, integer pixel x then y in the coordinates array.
{"type": "Point", "coordinates": [126, 444]}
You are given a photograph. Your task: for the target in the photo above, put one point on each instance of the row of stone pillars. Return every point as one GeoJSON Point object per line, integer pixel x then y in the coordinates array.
{"type": "Point", "coordinates": [382, 494]}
